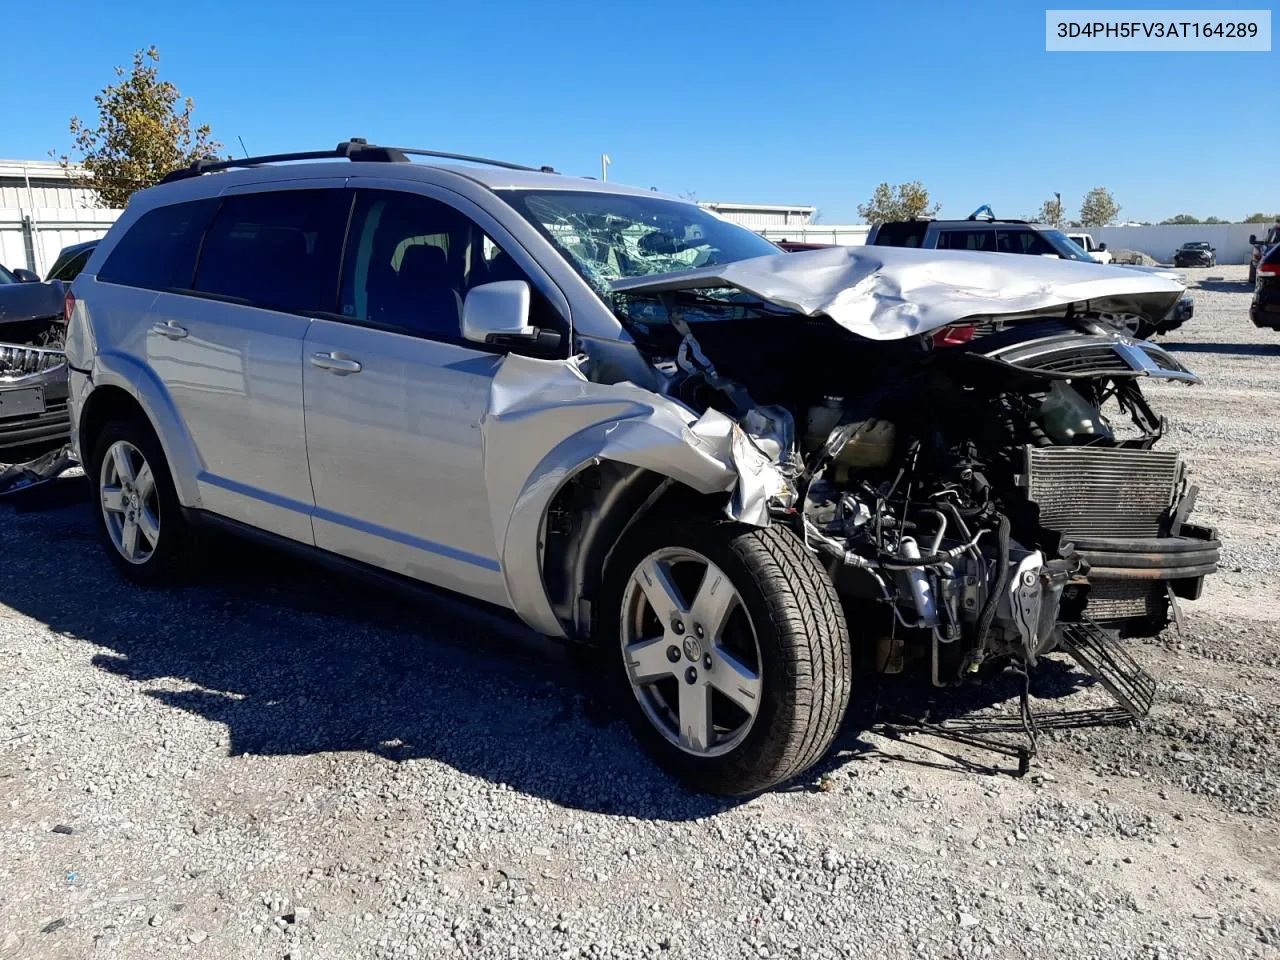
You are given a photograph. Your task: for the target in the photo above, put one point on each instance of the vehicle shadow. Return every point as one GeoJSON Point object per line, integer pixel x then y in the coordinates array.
{"type": "Point", "coordinates": [295, 660]}
{"type": "Point", "coordinates": [1224, 286]}
{"type": "Point", "coordinates": [1238, 349]}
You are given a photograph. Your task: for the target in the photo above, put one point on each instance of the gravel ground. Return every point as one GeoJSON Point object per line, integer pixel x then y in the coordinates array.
{"type": "Point", "coordinates": [280, 763]}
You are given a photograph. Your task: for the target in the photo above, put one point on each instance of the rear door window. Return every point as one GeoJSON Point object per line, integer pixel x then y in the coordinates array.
{"type": "Point", "coordinates": [278, 250]}
{"type": "Point", "coordinates": [159, 251]}
{"type": "Point", "coordinates": [967, 240]}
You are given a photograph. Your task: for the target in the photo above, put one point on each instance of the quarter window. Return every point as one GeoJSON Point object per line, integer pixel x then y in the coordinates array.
{"type": "Point", "coordinates": [277, 250]}
{"type": "Point", "coordinates": [159, 251]}
{"type": "Point", "coordinates": [967, 240]}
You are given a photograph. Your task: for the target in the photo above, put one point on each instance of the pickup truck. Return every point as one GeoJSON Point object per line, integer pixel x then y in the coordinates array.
{"type": "Point", "coordinates": [1096, 250]}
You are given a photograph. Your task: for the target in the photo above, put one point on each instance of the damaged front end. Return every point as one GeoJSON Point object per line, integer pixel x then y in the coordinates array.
{"type": "Point", "coordinates": [979, 491]}
{"type": "Point", "coordinates": [33, 383]}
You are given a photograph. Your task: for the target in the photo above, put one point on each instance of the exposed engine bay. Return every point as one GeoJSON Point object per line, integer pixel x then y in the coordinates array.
{"type": "Point", "coordinates": [974, 490]}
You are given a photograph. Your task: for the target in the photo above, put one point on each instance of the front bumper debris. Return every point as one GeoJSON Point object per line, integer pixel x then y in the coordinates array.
{"type": "Point", "coordinates": [1123, 512]}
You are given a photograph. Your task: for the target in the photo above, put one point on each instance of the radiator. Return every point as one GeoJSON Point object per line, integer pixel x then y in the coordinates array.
{"type": "Point", "coordinates": [1125, 599]}
{"type": "Point", "coordinates": [1102, 492]}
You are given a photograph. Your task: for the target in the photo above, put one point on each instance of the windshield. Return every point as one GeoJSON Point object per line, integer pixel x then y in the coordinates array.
{"type": "Point", "coordinates": [1065, 247]}
{"type": "Point", "coordinates": [7, 277]}
{"type": "Point", "coordinates": [608, 236]}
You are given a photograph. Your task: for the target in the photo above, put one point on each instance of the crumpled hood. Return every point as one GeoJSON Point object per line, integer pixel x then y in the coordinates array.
{"type": "Point", "coordinates": [30, 301]}
{"type": "Point", "coordinates": [888, 293]}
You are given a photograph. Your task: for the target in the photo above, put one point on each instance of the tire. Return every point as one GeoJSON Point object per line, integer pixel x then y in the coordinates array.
{"type": "Point", "coordinates": [1253, 274]}
{"type": "Point", "coordinates": [152, 505]}
{"type": "Point", "coordinates": [784, 603]}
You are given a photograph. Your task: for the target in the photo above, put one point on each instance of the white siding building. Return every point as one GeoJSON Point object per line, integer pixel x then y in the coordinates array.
{"type": "Point", "coordinates": [758, 216]}
{"type": "Point", "coordinates": [777, 221]}
{"type": "Point", "coordinates": [42, 210]}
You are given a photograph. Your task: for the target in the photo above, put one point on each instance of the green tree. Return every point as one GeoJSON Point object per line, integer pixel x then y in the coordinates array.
{"type": "Point", "coordinates": [144, 130]}
{"type": "Point", "coordinates": [1214, 220]}
{"type": "Point", "coordinates": [1051, 212]}
{"type": "Point", "coordinates": [906, 201]}
{"type": "Point", "coordinates": [1098, 208]}
{"type": "Point", "coordinates": [1261, 217]}
{"type": "Point", "coordinates": [1181, 218]}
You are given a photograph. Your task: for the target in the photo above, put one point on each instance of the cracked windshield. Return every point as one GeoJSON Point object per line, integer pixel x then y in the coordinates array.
{"type": "Point", "coordinates": [610, 236]}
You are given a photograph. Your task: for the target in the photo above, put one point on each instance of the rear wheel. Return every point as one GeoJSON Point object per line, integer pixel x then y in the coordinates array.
{"type": "Point", "coordinates": [729, 650]}
{"type": "Point", "coordinates": [137, 507]}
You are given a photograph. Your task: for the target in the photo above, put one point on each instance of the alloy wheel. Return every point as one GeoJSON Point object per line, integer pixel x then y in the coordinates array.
{"type": "Point", "coordinates": [1129, 324]}
{"type": "Point", "coordinates": [130, 502]}
{"type": "Point", "coordinates": [691, 652]}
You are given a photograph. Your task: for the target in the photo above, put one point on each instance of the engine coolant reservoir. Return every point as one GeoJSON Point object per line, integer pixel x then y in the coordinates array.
{"type": "Point", "coordinates": [871, 445]}
{"type": "Point", "coordinates": [1069, 418]}
{"type": "Point", "coordinates": [820, 420]}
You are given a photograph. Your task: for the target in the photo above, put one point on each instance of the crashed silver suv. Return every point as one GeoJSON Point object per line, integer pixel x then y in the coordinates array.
{"type": "Point", "coordinates": [743, 477]}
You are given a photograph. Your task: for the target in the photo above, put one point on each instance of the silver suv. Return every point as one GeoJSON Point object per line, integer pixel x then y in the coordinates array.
{"type": "Point", "coordinates": [486, 378]}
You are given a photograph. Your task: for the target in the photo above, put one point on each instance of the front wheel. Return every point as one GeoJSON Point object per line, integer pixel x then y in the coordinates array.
{"type": "Point", "coordinates": [138, 513]}
{"type": "Point", "coordinates": [729, 650]}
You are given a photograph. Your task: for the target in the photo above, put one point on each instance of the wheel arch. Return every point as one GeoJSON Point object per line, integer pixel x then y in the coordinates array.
{"type": "Point", "coordinates": [589, 516]}
{"type": "Point", "coordinates": [124, 388]}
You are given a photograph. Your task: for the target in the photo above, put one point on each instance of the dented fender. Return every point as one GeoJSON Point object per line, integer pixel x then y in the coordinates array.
{"type": "Point", "coordinates": [538, 406]}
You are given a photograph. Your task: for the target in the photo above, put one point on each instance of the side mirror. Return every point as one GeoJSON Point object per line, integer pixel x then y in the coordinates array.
{"type": "Point", "coordinates": [498, 314]}
{"type": "Point", "coordinates": [1253, 238]}
{"type": "Point", "coordinates": [1101, 247]}
{"type": "Point", "coordinates": [25, 275]}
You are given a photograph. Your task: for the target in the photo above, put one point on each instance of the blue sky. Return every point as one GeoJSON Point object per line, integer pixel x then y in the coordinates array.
{"type": "Point", "coordinates": [800, 102]}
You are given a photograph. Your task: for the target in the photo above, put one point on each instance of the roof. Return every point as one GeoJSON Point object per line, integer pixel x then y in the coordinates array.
{"type": "Point", "coordinates": [494, 178]}
{"type": "Point", "coordinates": [358, 157]}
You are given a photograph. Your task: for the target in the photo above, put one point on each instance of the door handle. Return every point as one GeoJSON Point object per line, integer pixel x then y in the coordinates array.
{"type": "Point", "coordinates": [335, 363]}
{"type": "Point", "coordinates": [169, 329]}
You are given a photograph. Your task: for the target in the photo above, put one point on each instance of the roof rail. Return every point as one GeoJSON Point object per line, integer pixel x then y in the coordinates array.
{"type": "Point", "coordinates": [355, 149]}
{"type": "Point", "coordinates": [415, 152]}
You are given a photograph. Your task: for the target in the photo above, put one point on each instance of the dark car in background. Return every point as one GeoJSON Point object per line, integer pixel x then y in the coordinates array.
{"type": "Point", "coordinates": [1196, 253]}
{"type": "Point", "coordinates": [33, 369]}
{"type": "Point", "coordinates": [1264, 311]}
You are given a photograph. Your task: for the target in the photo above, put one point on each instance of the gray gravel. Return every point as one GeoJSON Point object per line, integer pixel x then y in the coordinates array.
{"type": "Point", "coordinates": [277, 762]}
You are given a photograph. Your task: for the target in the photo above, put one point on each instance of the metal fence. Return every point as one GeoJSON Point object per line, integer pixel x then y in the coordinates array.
{"type": "Point", "coordinates": [32, 238]}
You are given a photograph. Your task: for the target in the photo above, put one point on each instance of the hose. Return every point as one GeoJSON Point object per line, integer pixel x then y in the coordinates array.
{"type": "Point", "coordinates": [942, 530]}
{"type": "Point", "coordinates": [898, 563]}
{"type": "Point", "coordinates": [988, 614]}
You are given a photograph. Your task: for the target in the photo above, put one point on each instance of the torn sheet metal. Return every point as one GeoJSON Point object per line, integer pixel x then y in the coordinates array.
{"type": "Point", "coordinates": [546, 421]}
{"type": "Point", "coordinates": [888, 293]}
{"type": "Point", "coordinates": [46, 468]}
